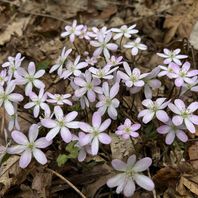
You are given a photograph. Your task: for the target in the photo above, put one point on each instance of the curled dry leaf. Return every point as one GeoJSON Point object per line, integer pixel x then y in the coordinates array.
{"type": "Point", "coordinates": [193, 155]}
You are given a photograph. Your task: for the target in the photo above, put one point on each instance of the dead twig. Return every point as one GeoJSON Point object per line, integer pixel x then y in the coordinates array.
{"type": "Point", "coordinates": [67, 181]}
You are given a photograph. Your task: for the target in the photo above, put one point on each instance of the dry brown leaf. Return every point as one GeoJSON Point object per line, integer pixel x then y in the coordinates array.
{"type": "Point", "coordinates": [193, 155]}
{"type": "Point", "coordinates": [16, 27]}
{"type": "Point", "coordinates": [182, 22]}
{"type": "Point", "coordinates": [107, 12]}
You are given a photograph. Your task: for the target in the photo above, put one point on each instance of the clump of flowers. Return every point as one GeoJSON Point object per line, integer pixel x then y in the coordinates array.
{"type": "Point", "coordinates": [104, 93]}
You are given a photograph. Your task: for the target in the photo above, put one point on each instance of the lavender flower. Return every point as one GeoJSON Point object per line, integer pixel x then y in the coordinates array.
{"type": "Point", "coordinates": [95, 132]}
{"type": "Point", "coordinates": [59, 99]}
{"type": "Point", "coordinates": [84, 34]}
{"type": "Point", "coordinates": [108, 102]}
{"type": "Point", "coordinates": [73, 68]}
{"type": "Point", "coordinates": [7, 97]}
{"type": "Point", "coordinates": [98, 32]}
{"type": "Point", "coordinates": [88, 85]}
{"type": "Point", "coordinates": [72, 31]}
{"type": "Point", "coordinates": [167, 71]}
{"type": "Point", "coordinates": [38, 101]}
{"type": "Point", "coordinates": [154, 108]}
{"type": "Point", "coordinates": [29, 78]}
{"type": "Point", "coordinates": [172, 56]}
{"type": "Point", "coordinates": [131, 174]}
{"type": "Point", "coordinates": [103, 45]}
{"type": "Point", "coordinates": [113, 61]}
{"type": "Point", "coordinates": [184, 115]}
{"type": "Point", "coordinates": [183, 74]}
{"type": "Point", "coordinates": [29, 147]}
{"type": "Point", "coordinates": [61, 61]}
{"type": "Point", "coordinates": [61, 124]}
{"type": "Point", "coordinates": [128, 129]}
{"type": "Point", "coordinates": [172, 131]}
{"type": "Point", "coordinates": [124, 31]}
{"type": "Point", "coordinates": [132, 78]}
{"type": "Point", "coordinates": [135, 46]}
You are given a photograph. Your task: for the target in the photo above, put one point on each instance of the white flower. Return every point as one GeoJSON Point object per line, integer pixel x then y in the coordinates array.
{"type": "Point", "coordinates": [124, 31]}
{"type": "Point", "coordinates": [98, 32]}
{"type": "Point", "coordinates": [61, 61]}
{"type": "Point", "coordinates": [72, 31]}
{"type": "Point", "coordinates": [172, 56]}
{"type": "Point", "coordinates": [135, 46]}
{"type": "Point", "coordinates": [108, 102]}
{"type": "Point", "coordinates": [103, 45]}
{"type": "Point", "coordinates": [3, 77]}
{"type": "Point", "coordinates": [38, 101]}
{"type": "Point", "coordinates": [30, 78]}
{"type": "Point", "coordinates": [7, 97]}
{"type": "Point", "coordinates": [59, 99]}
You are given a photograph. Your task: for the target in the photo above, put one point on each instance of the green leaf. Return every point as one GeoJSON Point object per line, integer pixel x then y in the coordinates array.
{"type": "Point", "coordinates": [43, 64]}
{"type": "Point", "coordinates": [62, 159]}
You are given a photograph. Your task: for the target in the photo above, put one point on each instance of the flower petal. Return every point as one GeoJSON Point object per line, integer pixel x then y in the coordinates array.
{"type": "Point", "coordinates": [19, 138]}
{"type": "Point", "coordinates": [25, 158]}
{"type": "Point", "coordinates": [144, 182]}
{"type": "Point", "coordinates": [40, 156]}
{"type": "Point", "coordinates": [142, 165]}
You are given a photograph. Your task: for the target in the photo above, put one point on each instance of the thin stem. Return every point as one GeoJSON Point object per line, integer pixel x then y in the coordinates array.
{"type": "Point", "coordinates": [171, 92]}
{"type": "Point", "coordinates": [133, 145]}
{"type": "Point", "coordinates": [67, 181]}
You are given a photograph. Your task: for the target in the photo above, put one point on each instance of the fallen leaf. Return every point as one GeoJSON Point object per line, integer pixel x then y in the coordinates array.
{"type": "Point", "coordinates": [16, 27]}
{"type": "Point", "coordinates": [182, 22]}
{"type": "Point", "coordinates": [193, 154]}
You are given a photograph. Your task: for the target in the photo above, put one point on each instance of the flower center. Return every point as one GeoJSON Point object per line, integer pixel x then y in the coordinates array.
{"type": "Point", "coordinates": [127, 130]}
{"type": "Point", "coordinates": [108, 101]}
{"type": "Point", "coordinates": [134, 78]}
{"type": "Point", "coordinates": [30, 78]}
{"type": "Point", "coordinates": [89, 86]}
{"type": "Point", "coordinates": [61, 123]}
{"type": "Point", "coordinates": [182, 74]}
{"type": "Point", "coordinates": [185, 114]}
{"type": "Point", "coordinates": [31, 145]}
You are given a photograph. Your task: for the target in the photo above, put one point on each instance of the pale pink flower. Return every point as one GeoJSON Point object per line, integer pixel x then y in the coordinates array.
{"type": "Point", "coordinates": [98, 32]}
{"type": "Point", "coordinates": [172, 56]}
{"type": "Point", "coordinates": [182, 74]}
{"type": "Point", "coordinates": [29, 146]}
{"type": "Point", "coordinates": [114, 61]}
{"type": "Point", "coordinates": [29, 78]}
{"type": "Point", "coordinates": [95, 132]}
{"type": "Point", "coordinates": [131, 173]}
{"type": "Point", "coordinates": [61, 124]}
{"type": "Point", "coordinates": [13, 121]}
{"type": "Point", "coordinates": [91, 60]}
{"type": "Point", "coordinates": [88, 85]}
{"type": "Point", "coordinates": [103, 45]}
{"type": "Point", "coordinates": [132, 77]}
{"type": "Point", "coordinates": [172, 131]}
{"type": "Point", "coordinates": [154, 109]}
{"type": "Point", "coordinates": [38, 102]}
{"type": "Point", "coordinates": [59, 99]}
{"type": "Point", "coordinates": [72, 31]}
{"type": "Point", "coordinates": [103, 73]}
{"type": "Point", "coordinates": [128, 129]}
{"type": "Point", "coordinates": [192, 86]}
{"type": "Point", "coordinates": [84, 34]}
{"type": "Point", "coordinates": [13, 64]}
{"type": "Point", "coordinates": [184, 115]}
{"type": "Point", "coordinates": [124, 31]}
{"type": "Point", "coordinates": [73, 68]}
{"type": "Point", "coordinates": [7, 98]}
{"type": "Point", "coordinates": [107, 101]}
{"type": "Point", "coordinates": [135, 46]}
{"type": "Point", "coordinates": [61, 61]}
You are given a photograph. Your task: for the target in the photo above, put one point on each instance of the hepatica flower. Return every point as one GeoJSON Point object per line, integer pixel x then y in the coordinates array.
{"type": "Point", "coordinates": [95, 132]}
{"type": "Point", "coordinates": [29, 146]}
{"type": "Point", "coordinates": [184, 114]}
{"type": "Point", "coordinates": [38, 102]}
{"type": "Point", "coordinates": [59, 99]}
{"type": "Point", "coordinates": [87, 86]}
{"type": "Point", "coordinates": [107, 101]}
{"type": "Point", "coordinates": [3, 77]}
{"type": "Point", "coordinates": [131, 173]}
{"type": "Point", "coordinates": [73, 68]}
{"type": "Point", "coordinates": [124, 31]}
{"type": "Point", "coordinates": [132, 78]}
{"type": "Point", "coordinates": [103, 45]}
{"type": "Point", "coordinates": [72, 31]}
{"type": "Point", "coordinates": [61, 124]}
{"type": "Point", "coordinates": [7, 98]}
{"type": "Point", "coordinates": [61, 61]}
{"type": "Point", "coordinates": [98, 32]}
{"type": "Point", "coordinates": [13, 64]}
{"type": "Point", "coordinates": [172, 56]}
{"type": "Point", "coordinates": [135, 46]}
{"type": "Point", "coordinates": [171, 131]}
{"type": "Point", "coordinates": [113, 61]}
{"type": "Point", "coordinates": [103, 73]}
{"type": "Point", "coordinates": [167, 71]}
{"type": "Point", "coordinates": [128, 129]}
{"type": "Point", "coordinates": [154, 109]}
{"type": "Point", "coordinates": [30, 78]}
{"type": "Point", "coordinates": [182, 74]}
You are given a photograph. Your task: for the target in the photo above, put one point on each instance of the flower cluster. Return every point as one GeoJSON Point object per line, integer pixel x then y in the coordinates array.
{"type": "Point", "coordinates": [101, 81]}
